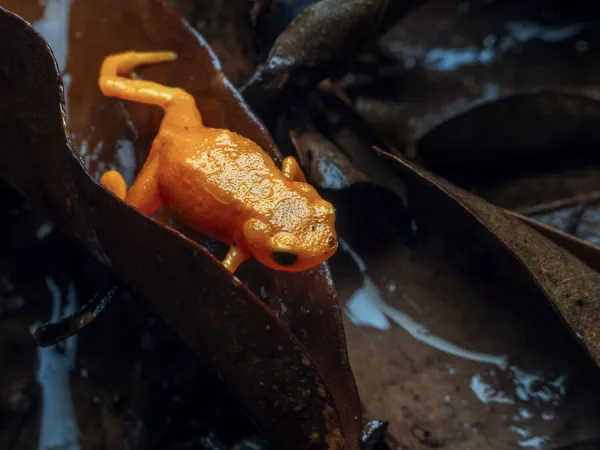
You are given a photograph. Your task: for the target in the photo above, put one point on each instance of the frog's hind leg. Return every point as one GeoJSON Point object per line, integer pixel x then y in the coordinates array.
{"type": "Point", "coordinates": [114, 182]}
{"type": "Point", "coordinates": [144, 194]}
{"type": "Point", "coordinates": [179, 106]}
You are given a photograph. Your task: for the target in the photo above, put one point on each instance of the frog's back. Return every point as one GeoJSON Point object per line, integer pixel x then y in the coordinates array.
{"type": "Point", "coordinates": [215, 179]}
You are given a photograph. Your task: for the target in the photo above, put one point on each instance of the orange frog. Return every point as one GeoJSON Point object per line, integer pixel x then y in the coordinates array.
{"type": "Point", "coordinates": [219, 182]}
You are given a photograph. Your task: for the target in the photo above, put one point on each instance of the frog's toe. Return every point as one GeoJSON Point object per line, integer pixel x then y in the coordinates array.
{"type": "Point", "coordinates": [114, 182]}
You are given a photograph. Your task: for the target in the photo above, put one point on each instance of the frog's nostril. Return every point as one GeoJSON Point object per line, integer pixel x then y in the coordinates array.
{"type": "Point", "coordinates": [332, 242]}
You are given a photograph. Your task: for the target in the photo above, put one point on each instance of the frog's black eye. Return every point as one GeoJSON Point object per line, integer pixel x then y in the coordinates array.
{"type": "Point", "coordinates": [284, 258]}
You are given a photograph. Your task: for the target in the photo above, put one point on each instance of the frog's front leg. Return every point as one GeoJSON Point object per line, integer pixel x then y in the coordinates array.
{"type": "Point", "coordinates": [144, 193]}
{"type": "Point", "coordinates": [292, 170]}
{"type": "Point", "coordinates": [235, 257]}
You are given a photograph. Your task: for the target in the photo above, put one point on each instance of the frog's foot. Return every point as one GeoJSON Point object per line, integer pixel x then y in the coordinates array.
{"type": "Point", "coordinates": [143, 194]}
{"type": "Point", "coordinates": [114, 182]}
{"type": "Point", "coordinates": [235, 257]}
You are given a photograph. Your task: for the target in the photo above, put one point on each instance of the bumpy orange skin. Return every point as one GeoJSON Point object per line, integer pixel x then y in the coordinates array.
{"type": "Point", "coordinates": [219, 182]}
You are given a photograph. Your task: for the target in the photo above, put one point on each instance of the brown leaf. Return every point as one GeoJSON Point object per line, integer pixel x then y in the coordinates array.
{"type": "Point", "coordinates": [456, 322]}
{"type": "Point", "coordinates": [586, 252]}
{"type": "Point", "coordinates": [352, 135]}
{"type": "Point", "coordinates": [429, 316]}
{"type": "Point", "coordinates": [271, 18]}
{"type": "Point", "coordinates": [544, 181]}
{"type": "Point", "coordinates": [323, 163]}
{"type": "Point", "coordinates": [524, 125]}
{"type": "Point", "coordinates": [320, 39]}
{"type": "Point", "coordinates": [489, 65]}
{"type": "Point", "coordinates": [570, 286]}
{"type": "Point", "coordinates": [225, 25]}
{"type": "Point", "coordinates": [243, 341]}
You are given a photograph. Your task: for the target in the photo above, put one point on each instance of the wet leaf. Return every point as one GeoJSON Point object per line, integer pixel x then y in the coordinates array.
{"type": "Point", "coordinates": [319, 40]}
{"type": "Point", "coordinates": [530, 190]}
{"type": "Point", "coordinates": [261, 360]}
{"type": "Point", "coordinates": [132, 374]}
{"type": "Point", "coordinates": [271, 17]}
{"type": "Point", "coordinates": [439, 94]}
{"type": "Point", "coordinates": [425, 317]}
{"type": "Point", "coordinates": [570, 286]}
{"type": "Point", "coordinates": [488, 65]}
{"type": "Point", "coordinates": [586, 252]}
{"type": "Point", "coordinates": [472, 78]}
{"type": "Point", "coordinates": [51, 333]}
{"type": "Point", "coordinates": [571, 223]}
{"type": "Point", "coordinates": [523, 125]}
{"type": "Point", "coordinates": [323, 163]}
{"type": "Point", "coordinates": [453, 343]}
{"type": "Point", "coordinates": [351, 135]}
{"type": "Point", "coordinates": [225, 25]}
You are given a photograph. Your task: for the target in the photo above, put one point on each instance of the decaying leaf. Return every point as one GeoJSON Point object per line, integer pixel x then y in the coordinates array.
{"type": "Point", "coordinates": [50, 333]}
{"type": "Point", "coordinates": [586, 252]}
{"type": "Point", "coordinates": [473, 63]}
{"type": "Point", "coordinates": [317, 41]}
{"type": "Point", "coordinates": [216, 315]}
{"type": "Point", "coordinates": [352, 135]}
{"type": "Point", "coordinates": [571, 222]}
{"type": "Point", "coordinates": [521, 125]}
{"type": "Point", "coordinates": [325, 165]}
{"type": "Point", "coordinates": [225, 25]}
{"type": "Point", "coordinates": [271, 17]}
{"type": "Point", "coordinates": [424, 301]}
{"type": "Point", "coordinates": [541, 183]}
{"type": "Point", "coordinates": [570, 286]}
{"type": "Point", "coordinates": [133, 382]}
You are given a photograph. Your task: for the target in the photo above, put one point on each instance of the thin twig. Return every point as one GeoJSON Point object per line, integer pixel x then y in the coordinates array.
{"type": "Point", "coordinates": [58, 330]}
{"type": "Point", "coordinates": [587, 199]}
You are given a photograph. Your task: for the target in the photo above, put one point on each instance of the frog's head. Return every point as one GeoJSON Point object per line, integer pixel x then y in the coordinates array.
{"type": "Point", "coordinates": [300, 234]}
